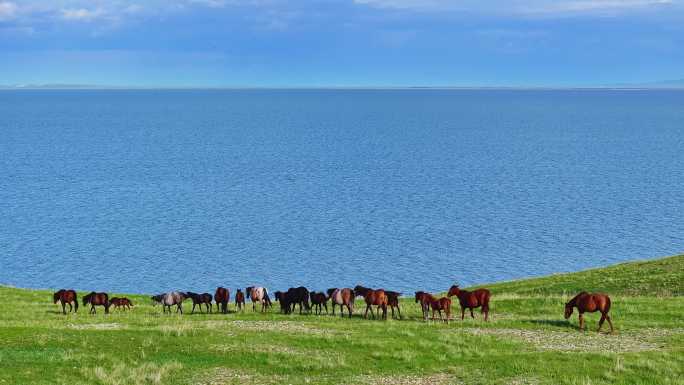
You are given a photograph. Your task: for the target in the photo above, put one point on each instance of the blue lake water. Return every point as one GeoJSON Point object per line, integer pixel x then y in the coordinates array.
{"type": "Point", "coordinates": [144, 191]}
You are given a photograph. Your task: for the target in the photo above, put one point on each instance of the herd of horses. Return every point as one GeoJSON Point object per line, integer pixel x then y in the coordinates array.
{"type": "Point", "coordinates": [312, 301]}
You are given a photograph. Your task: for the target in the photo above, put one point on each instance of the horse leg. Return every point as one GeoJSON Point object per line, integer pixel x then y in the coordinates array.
{"type": "Point", "coordinates": [471, 313]}
{"type": "Point", "coordinates": [462, 313]}
{"type": "Point", "coordinates": [609, 323]}
{"type": "Point", "coordinates": [365, 315]}
{"type": "Point", "coordinates": [581, 321]}
{"type": "Point", "coordinates": [603, 318]}
{"type": "Point", "coordinates": [63, 308]}
{"type": "Point", "coordinates": [399, 311]}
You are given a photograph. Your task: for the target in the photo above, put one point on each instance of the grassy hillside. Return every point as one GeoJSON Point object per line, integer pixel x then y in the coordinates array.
{"type": "Point", "coordinates": [661, 277]}
{"type": "Point", "coordinates": [526, 342]}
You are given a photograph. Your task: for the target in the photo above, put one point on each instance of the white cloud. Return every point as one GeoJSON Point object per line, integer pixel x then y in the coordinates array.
{"type": "Point", "coordinates": [522, 7]}
{"type": "Point", "coordinates": [82, 14]}
{"type": "Point", "coordinates": [8, 10]}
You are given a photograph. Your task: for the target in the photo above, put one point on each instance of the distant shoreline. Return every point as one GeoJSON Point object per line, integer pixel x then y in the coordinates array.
{"type": "Point", "coordinates": [406, 88]}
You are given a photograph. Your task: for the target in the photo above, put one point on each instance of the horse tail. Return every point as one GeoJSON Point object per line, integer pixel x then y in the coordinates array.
{"type": "Point", "coordinates": [485, 301]}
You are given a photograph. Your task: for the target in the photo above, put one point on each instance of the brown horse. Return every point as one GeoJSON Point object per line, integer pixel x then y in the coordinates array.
{"type": "Point", "coordinates": [124, 303]}
{"type": "Point", "coordinates": [424, 299]}
{"type": "Point", "coordinates": [96, 299]}
{"type": "Point", "coordinates": [66, 297]}
{"type": "Point", "coordinates": [428, 301]}
{"type": "Point", "coordinates": [372, 297]}
{"type": "Point", "coordinates": [342, 297]}
{"type": "Point", "coordinates": [318, 301]}
{"type": "Point", "coordinates": [471, 300]}
{"type": "Point", "coordinates": [222, 297]}
{"type": "Point", "coordinates": [393, 301]}
{"type": "Point", "coordinates": [590, 303]}
{"type": "Point", "coordinates": [239, 300]}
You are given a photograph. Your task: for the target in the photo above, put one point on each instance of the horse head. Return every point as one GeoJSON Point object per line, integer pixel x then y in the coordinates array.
{"type": "Point", "coordinates": [419, 296]}
{"type": "Point", "coordinates": [278, 296]}
{"type": "Point", "coordinates": [453, 291]}
{"type": "Point", "coordinates": [249, 291]}
{"type": "Point", "coordinates": [568, 310]}
{"type": "Point", "coordinates": [360, 290]}
{"type": "Point", "coordinates": [57, 296]}
{"type": "Point", "coordinates": [87, 297]}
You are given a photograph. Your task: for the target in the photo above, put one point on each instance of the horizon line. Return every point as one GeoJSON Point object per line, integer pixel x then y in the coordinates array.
{"type": "Point", "coordinates": [333, 87]}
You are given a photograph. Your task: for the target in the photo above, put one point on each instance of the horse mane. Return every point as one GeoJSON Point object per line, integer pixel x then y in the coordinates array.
{"type": "Point", "coordinates": [573, 301]}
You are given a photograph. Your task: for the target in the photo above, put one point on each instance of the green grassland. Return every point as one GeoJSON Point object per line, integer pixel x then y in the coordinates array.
{"type": "Point", "coordinates": [526, 342]}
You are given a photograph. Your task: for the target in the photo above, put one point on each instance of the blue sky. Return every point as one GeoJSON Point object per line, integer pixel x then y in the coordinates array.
{"type": "Point", "coordinates": [341, 42]}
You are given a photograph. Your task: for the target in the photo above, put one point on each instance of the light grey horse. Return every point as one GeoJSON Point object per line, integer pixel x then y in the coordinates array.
{"type": "Point", "coordinates": [170, 299]}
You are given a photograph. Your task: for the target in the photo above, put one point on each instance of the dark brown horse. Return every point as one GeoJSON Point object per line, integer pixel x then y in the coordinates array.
{"type": "Point", "coordinates": [96, 299]}
{"type": "Point", "coordinates": [239, 300]}
{"type": "Point", "coordinates": [123, 303]}
{"type": "Point", "coordinates": [318, 301]}
{"type": "Point", "coordinates": [66, 297]}
{"type": "Point", "coordinates": [199, 300]}
{"type": "Point", "coordinates": [393, 301]}
{"type": "Point", "coordinates": [222, 297]}
{"type": "Point", "coordinates": [471, 300]}
{"type": "Point", "coordinates": [292, 297]}
{"type": "Point", "coordinates": [342, 297]}
{"type": "Point", "coordinates": [372, 297]}
{"type": "Point", "coordinates": [590, 303]}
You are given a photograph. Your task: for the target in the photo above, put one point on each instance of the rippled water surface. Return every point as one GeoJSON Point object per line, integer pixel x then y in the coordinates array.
{"type": "Point", "coordinates": [406, 189]}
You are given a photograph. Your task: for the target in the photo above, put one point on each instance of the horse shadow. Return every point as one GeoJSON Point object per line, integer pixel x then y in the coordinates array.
{"type": "Point", "coordinates": [557, 323]}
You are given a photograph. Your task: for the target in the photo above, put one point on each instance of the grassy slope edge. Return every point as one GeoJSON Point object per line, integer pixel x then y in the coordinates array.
{"type": "Point", "coordinates": [527, 342]}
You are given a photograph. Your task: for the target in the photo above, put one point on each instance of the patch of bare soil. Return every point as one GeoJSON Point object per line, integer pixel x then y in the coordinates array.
{"type": "Point", "coordinates": [619, 342]}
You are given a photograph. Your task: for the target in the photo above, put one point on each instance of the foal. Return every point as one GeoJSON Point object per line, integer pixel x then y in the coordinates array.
{"type": "Point", "coordinates": [239, 300]}
{"type": "Point", "coordinates": [124, 303]}
{"type": "Point", "coordinates": [393, 301]}
{"type": "Point", "coordinates": [318, 301]}
{"type": "Point", "coordinates": [590, 303]}
{"type": "Point", "coordinates": [428, 301]}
